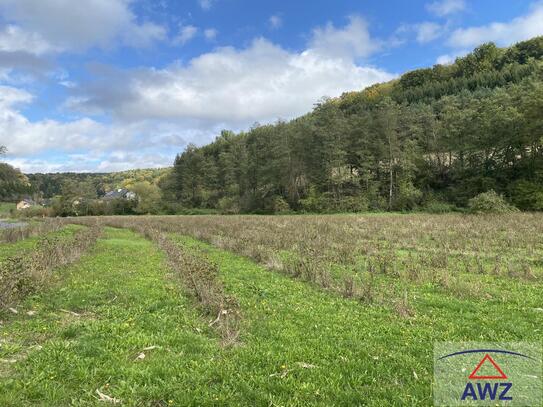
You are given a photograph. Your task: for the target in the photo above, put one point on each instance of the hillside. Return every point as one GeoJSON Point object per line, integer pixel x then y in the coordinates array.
{"type": "Point", "coordinates": [50, 185]}
{"type": "Point", "coordinates": [12, 182]}
{"type": "Point", "coordinates": [434, 138]}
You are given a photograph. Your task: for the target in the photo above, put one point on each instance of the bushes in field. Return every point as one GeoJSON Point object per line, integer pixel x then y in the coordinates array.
{"type": "Point", "coordinates": [15, 234]}
{"type": "Point", "coordinates": [198, 275]}
{"type": "Point", "coordinates": [328, 203]}
{"type": "Point", "coordinates": [34, 212]}
{"type": "Point", "coordinates": [527, 195]}
{"type": "Point", "coordinates": [24, 274]}
{"type": "Point", "coordinates": [490, 202]}
{"type": "Point", "coordinates": [439, 207]}
{"type": "Point", "coordinates": [373, 259]}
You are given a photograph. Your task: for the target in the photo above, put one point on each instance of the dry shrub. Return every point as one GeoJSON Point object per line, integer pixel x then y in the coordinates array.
{"type": "Point", "coordinates": [412, 248]}
{"type": "Point", "coordinates": [402, 306]}
{"type": "Point", "coordinates": [24, 274]}
{"type": "Point", "coordinates": [349, 290]}
{"type": "Point", "coordinates": [198, 274]}
{"type": "Point", "coordinates": [13, 235]}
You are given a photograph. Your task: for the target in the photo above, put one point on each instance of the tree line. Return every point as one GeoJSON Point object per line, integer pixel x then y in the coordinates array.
{"type": "Point", "coordinates": [12, 182]}
{"type": "Point", "coordinates": [432, 139]}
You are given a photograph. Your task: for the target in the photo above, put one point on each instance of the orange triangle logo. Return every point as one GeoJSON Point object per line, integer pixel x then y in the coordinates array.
{"type": "Point", "coordinates": [474, 375]}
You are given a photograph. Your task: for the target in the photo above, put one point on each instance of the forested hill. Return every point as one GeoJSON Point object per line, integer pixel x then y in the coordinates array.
{"type": "Point", "coordinates": [434, 137]}
{"type": "Point", "coordinates": [12, 181]}
{"type": "Point", "coordinates": [50, 185]}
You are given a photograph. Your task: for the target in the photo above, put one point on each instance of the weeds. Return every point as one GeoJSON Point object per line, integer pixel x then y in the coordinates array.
{"type": "Point", "coordinates": [24, 274]}
{"type": "Point", "coordinates": [13, 235]}
{"type": "Point", "coordinates": [198, 275]}
{"type": "Point", "coordinates": [410, 249]}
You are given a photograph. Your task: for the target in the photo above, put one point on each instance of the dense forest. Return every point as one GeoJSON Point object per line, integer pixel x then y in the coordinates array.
{"type": "Point", "coordinates": [434, 138]}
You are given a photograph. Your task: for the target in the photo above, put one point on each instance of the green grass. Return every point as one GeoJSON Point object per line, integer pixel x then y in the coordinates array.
{"type": "Point", "coordinates": [5, 208]}
{"type": "Point", "coordinates": [298, 345]}
{"type": "Point", "coordinates": [26, 245]}
{"type": "Point", "coordinates": [367, 355]}
{"type": "Point", "coordinates": [125, 304]}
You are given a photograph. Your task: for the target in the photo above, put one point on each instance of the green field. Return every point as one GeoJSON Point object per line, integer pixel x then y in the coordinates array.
{"type": "Point", "coordinates": [6, 208]}
{"type": "Point", "coordinates": [26, 245]}
{"type": "Point", "coordinates": [121, 325]}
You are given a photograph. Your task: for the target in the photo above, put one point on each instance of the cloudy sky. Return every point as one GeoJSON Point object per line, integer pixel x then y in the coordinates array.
{"type": "Point", "coordinates": [106, 85]}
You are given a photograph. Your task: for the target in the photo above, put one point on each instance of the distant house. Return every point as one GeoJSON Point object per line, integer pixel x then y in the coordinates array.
{"type": "Point", "coordinates": [25, 204]}
{"type": "Point", "coordinates": [120, 193]}
{"type": "Point", "coordinates": [131, 195]}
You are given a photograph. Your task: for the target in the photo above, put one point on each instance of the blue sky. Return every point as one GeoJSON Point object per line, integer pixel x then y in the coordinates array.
{"type": "Point", "coordinates": [105, 85]}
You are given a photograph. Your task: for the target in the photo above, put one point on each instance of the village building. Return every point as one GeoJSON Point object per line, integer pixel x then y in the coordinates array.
{"type": "Point", "coordinates": [120, 193]}
{"type": "Point", "coordinates": [25, 204]}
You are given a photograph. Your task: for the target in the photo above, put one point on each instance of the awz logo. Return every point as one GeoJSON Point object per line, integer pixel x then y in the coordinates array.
{"type": "Point", "coordinates": [487, 391]}
{"type": "Point", "coordinates": [482, 374]}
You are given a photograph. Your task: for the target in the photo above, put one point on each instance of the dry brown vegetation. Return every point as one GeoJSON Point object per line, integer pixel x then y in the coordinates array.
{"type": "Point", "coordinates": [195, 271]}
{"type": "Point", "coordinates": [37, 229]}
{"type": "Point", "coordinates": [374, 258]}
{"type": "Point", "coordinates": [25, 273]}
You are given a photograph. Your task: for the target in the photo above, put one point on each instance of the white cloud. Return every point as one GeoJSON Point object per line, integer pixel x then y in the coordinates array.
{"type": "Point", "coordinates": [109, 162]}
{"type": "Point", "coordinates": [10, 97]}
{"type": "Point", "coordinates": [444, 8]}
{"type": "Point", "coordinates": [153, 111]}
{"type": "Point", "coordinates": [276, 21]}
{"type": "Point", "coordinates": [206, 4]}
{"type": "Point", "coordinates": [13, 39]}
{"type": "Point", "coordinates": [424, 32]}
{"type": "Point", "coordinates": [68, 84]}
{"type": "Point", "coordinates": [518, 29]}
{"type": "Point", "coordinates": [45, 26]}
{"type": "Point", "coordinates": [186, 34]}
{"type": "Point", "coordinates": [259, 83]}
{"type": "Point", "coordinates": [351, 41]}
{"type": "Point", "coordinates": [210, 34]}
{"type": "Point", "coordinates": [445, 59]}
{"type": "Point", "coordinates": [101, 143]}
{"type": "Point", "coordinates": [428, 31]}
{"type": "Point", "coordinates": [143, 35]}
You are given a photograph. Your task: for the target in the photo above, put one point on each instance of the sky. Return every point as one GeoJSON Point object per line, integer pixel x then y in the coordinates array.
{"type": "Point", "coordinates": [109, 85]}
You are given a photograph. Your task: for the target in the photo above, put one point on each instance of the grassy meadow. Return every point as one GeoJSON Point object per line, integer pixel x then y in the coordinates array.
{"type": "Point", "coordinates": [6, 208]}
{"type": "Point", "coordinates": [28, 244]}
{"type": "Point", "coordinates": [267, 310]}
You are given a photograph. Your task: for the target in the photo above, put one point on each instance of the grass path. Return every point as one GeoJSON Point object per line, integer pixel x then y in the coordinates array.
{"type": "Point", "coordinates": [124, 304]}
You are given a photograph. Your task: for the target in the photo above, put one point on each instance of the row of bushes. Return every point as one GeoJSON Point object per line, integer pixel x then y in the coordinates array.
{"type": "Point", "coordinates": [12, 235]}
{"type": "Point", "coordinates": [197, 273]}
{"type": "Point", "coordinates": [486, 202]}
{"type": "Point", "coordinates": [22, 275]}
